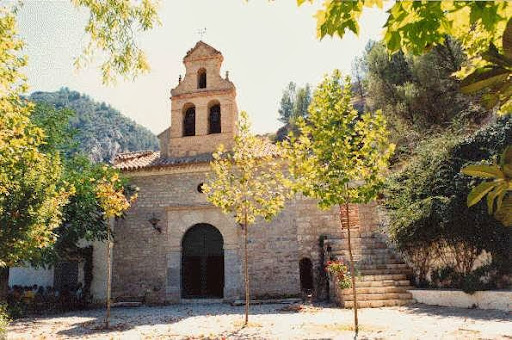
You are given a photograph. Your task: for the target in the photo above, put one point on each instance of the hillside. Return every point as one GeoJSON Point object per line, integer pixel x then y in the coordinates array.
{"type": "Point", "coordinates": [102, 131]}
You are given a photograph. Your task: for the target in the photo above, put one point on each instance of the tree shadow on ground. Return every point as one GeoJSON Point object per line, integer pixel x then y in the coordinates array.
{"type": "Point", "coordinates": [470, 313]}
{"type": "Point", "coordinates": [127, 318]}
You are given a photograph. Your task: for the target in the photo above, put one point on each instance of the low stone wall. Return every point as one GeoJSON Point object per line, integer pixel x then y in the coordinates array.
{"type": "Point", "coordinates": [491, 299]}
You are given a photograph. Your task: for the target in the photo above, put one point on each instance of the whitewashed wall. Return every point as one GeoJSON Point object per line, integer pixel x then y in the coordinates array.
{"type": "Point", "coordinates": [28, 276]}
{"type": "Point", "coordinates": [99, 272]}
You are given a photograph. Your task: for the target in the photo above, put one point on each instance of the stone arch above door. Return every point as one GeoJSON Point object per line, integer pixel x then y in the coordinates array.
{"type": "Point", "coordinates": [202, 262]}
{"type": "Point", "coordinates": [180, 219]}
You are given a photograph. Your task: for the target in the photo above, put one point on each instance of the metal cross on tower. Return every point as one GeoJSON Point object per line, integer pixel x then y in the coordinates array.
{"type": "Point", "coordinates": [201, 32]}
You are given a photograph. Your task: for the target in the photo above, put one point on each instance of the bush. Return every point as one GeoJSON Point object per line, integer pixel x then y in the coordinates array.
{"type": "Point", "coordinates": [429, 219]}
{"type": "Point", "coordinates": [4, 321]}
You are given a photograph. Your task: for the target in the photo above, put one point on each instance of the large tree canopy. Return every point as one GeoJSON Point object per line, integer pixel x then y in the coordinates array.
{"type": "Point", "coordinates": [112, 29]}
{"type": "Point", "coordinates": [31, 197]}
{"type": "Point", "coordinates": [483, 27]}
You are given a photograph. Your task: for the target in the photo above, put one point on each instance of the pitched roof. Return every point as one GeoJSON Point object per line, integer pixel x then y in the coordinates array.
{"type": "Point", "coordinates": [142, 160]}
{"type": "Point", "coordinates": [209, 49]}
{"type": "Point", "coordinates": [151, 159]}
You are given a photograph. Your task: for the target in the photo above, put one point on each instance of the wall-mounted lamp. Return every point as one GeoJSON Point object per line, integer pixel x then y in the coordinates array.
{"type": "Point", "coordinates": [154, 221]}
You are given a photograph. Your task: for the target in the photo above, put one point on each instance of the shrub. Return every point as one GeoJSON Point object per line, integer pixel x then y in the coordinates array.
{"type": "Point", "coordinates": [429, 220]}
{"type": "Point", "coordinates": [4, 321]}
{"type": "Point", "coordinates": [340, 272]}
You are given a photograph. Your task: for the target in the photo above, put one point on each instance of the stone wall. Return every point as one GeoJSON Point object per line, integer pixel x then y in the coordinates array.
{"type": "Point", "coordinates": [148, 263]}
{"type": "Point", "coordinates": [202, 142]}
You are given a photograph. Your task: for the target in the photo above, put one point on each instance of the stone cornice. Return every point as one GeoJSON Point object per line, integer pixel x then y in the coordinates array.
{"type": "Point", "coordinates": [188, 207]}
{"type": "Point", "coordinates": [167, 170]}
{"type": "Point", "coordinates": [207, 93]}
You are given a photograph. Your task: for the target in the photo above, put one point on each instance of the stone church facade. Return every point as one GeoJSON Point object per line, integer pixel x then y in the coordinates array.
{"type": "Point", "coordinates": [173, 245]}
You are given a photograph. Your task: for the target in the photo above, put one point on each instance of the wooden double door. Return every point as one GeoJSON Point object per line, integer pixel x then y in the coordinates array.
{"type": "Point", "coordinates": [202, 262]}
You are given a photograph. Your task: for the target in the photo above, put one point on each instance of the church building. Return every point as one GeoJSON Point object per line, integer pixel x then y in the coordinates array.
{"type": "Point", "coordinates": [173, 245]}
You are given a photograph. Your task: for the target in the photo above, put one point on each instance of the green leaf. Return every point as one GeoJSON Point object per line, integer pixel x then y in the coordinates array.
{"type": "Point", "coordinates": [479, 191]}
{"type": "Point", "coordinates": [507, 169]}
{"type": "Point", "coordinates": [492, 196]}
{"type": "Point", "coordinates": [482, 78]}
{"type": "Point", "coordinates": [507, 40]}
{"type": "Point", "coordinates": [495, 57]}
{"type": "Point", "coordinates": [371, 3]}
{"type": "Point", "coordinates": [504, 213]}
{"type": "Point", "coordinates": [506, 157]}
{"type": "Point", "coordinates": [483, 171]}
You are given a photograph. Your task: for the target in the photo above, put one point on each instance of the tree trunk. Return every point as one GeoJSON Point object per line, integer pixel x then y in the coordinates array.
{"type": "Point", "coordinates": [352, 267]}
{"type": "Point", "coordinates": [109, 279]}
{"type": "Point", "coordinates": [246, 269]}
{"type": "Point", "coordinates": [4, 283]}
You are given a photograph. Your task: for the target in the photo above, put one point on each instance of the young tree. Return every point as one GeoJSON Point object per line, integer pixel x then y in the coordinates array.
{"type": "Point", "coordinates": [294, 105]}
{"type": "Point", "coordinates": [339, 156]}
{"type": "Point", "coordinates": [113, 201]}
{"type": "Point", "coordinates": [287, 104]}
{"type": "Point", "coordinates": [247, 182]}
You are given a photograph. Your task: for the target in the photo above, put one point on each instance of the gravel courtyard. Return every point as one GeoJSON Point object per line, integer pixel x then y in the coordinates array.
{"type": "Point", "coordinates": [221, 321]}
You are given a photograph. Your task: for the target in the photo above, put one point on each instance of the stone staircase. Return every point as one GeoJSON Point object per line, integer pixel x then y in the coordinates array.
{"type": "Point", "coordinates": [383, 276]}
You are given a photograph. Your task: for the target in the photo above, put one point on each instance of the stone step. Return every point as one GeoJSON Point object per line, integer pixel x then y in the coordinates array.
{"type": "Point", "coordinates": [378, 261]}
{"type": "Point", "coordinates": [377, 303]}
{"type": "Point", "coordinates": [388, 271]}
{"type": "Point", "coordinates": [367, 258]}
{"type": "Point", "coordinates": [372, 263]}
{"type": "Point", "coordinates": [383, 277]}
{"type": "Point", "coordinates": [363, 266]}
{"type": "Point", "coordinates": [376, 290]}
{"type": "Point", "coordinates": [383, 283]}
{"type": "Point", "coordinates": [359, 245]}
{"type": "Point", "coordinates": [366, 251]}
{"type": "Point", "coordinates": [378, 296]}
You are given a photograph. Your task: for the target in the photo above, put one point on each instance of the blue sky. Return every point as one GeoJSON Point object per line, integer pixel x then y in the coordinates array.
{"type": "Point", "coordinates": [265, 45]}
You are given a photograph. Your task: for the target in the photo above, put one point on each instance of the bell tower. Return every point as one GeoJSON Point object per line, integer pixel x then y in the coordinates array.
{"type": "Point", "coordinates": [203, 106]}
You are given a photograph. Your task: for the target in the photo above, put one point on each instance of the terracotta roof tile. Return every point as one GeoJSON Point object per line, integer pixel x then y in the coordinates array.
{"type": "Point", "coordinates": [151, 159]}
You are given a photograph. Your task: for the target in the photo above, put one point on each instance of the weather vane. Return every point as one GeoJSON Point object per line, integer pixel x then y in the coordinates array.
{"type": "Point", "coordinates": [201, 32]}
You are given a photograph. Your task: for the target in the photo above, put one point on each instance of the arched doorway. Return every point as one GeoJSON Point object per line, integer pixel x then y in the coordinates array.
{"type": "Point", "coordinates": [202, 262]}
{"type": "Point", "coordinates": [306, 274]}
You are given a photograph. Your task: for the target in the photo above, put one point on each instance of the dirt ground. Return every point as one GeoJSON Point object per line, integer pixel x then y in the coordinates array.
{"type": "Point", "coordinates": [222, 321]}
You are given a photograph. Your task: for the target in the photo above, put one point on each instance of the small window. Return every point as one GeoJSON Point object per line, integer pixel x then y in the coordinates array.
{"type": "Point", "coordinates": [214, 119]}
{"type": "Point", "coordinates": [189, 122]}
{"type": "Point", "coordinates": [201, 79]}
{"type": "Point", "coordinates": [200, 188]}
